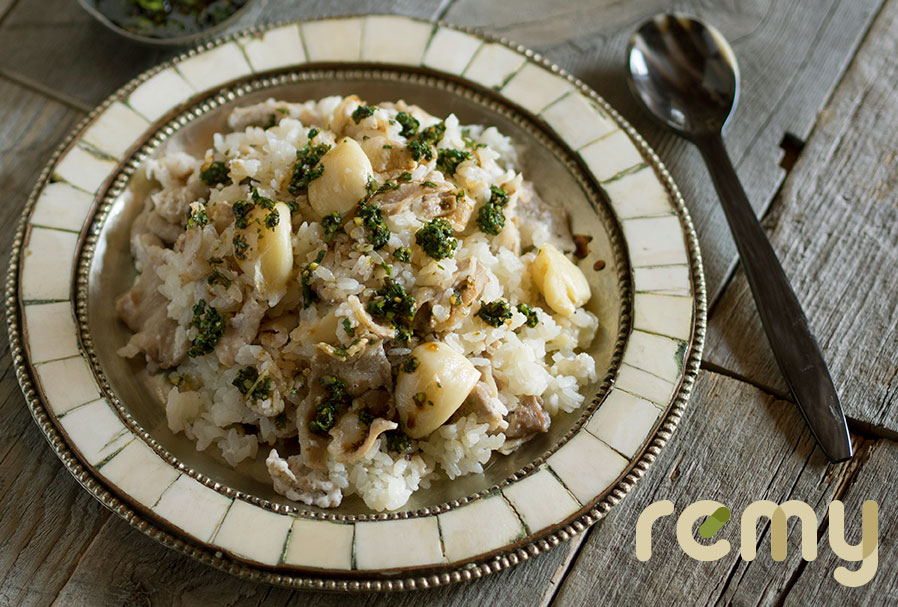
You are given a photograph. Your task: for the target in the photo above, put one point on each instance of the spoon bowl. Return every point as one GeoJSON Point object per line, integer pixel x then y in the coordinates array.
{"type": "Point", "coordinates": [685, 73]}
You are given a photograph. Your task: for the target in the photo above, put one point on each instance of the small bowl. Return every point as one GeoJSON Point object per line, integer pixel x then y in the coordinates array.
{"type": "Point", "coordinates": [91, 7]}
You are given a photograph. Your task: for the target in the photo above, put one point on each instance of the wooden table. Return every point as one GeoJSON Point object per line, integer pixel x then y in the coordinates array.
{"type": "Point", "coordinates": [814, 140]}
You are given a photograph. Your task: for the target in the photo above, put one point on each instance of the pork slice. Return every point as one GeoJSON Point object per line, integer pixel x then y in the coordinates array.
{"type": "Point", "coordinates": [144, 309]}
{"type": "Point", "coordinates": [241, 330]}
{"type": "Point", "coordinates": [529, 419]}
{"type": "Point", "coordinates": [469, 281]}
{"type": "Point", "coordinates": [352, 438]}
{"type": "Point", "coordinates": [367, 370]}
{"type": "Point", "coordinates": [296, 481]}
{"type": "Point", "coordinates": [533, 213]}
{"type": "Point", "coordinates": [483, 401]}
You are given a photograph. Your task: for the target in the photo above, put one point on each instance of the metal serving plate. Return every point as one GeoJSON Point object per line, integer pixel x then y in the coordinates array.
{"type": "Point", "coordinates": [105, 415]}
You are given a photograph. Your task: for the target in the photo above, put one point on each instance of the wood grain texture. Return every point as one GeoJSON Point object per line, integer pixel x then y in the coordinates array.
{"type": "Point", "coordinates": [123, 567]}
{"type": "Point", "coordinates": [834, 228]}
{"type": "Point", "coordinates": [46, 519]}
{"type": "Point", "coordinates": [735, 445]}
{"type": "Point", "coordinates": [791, 54]}
{"type": "Point", "coordinates": [875, 481]}
{"type": "Point", "coordinates": [61, 47]}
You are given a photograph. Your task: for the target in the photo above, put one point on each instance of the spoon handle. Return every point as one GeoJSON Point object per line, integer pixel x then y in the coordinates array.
{"type": "Point", "coordinates": [794, 347]}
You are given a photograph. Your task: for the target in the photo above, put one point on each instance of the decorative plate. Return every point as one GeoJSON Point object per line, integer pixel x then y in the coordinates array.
{"type": "Point", "coordinates": [70, 258]}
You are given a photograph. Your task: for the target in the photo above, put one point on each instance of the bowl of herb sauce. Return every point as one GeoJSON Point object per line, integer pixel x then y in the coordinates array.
{"type": "Point", "coordinates": [166, 22]}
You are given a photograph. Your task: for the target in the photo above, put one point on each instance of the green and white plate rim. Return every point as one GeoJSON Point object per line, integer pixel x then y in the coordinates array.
{"type": "Point", "coordinates": [620, 436]}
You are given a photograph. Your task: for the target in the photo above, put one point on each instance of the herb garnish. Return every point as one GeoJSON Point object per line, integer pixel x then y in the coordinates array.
{"type": "Point", "coordinates": [393, 304]}
{"type": "Point", "coordinates": [495, 313]}
{"type": "Point", "coordinates": [215, 174]}
{"type": "Point", "coordinates": [491, 216]}
{"type": "Point", "coordinates": [249, 383]}
{"type": "Point", "coordinates": [530, 313]}
{"type": "Point", "coordinates": [362, 112]}
{"type": "Point", "coordinates": [328, 407]}
{"type": "Point", "coordinates": [448, 160]}
{"type": "Point", "coordinates": [436, 239]}
{"type": "Point", "coordinates": [307, 168]}
{"type": "Point", "coordinates": [210, 327]}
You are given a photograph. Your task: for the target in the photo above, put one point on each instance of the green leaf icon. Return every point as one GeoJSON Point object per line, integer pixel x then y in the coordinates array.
{"type": "Point", "coordinates": [714, 522]}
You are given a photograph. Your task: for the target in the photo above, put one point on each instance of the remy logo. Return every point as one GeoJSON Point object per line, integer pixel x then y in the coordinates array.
{"type": "Point", "coordinates": [717, 515]}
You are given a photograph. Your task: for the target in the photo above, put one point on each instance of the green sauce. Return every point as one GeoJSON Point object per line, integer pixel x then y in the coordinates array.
{"type": "Point", "coordinates": [167, 18]}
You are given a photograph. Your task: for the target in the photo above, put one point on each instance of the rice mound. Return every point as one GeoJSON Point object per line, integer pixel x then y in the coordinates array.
{"type": "Point", "coordinates": [280, 330]}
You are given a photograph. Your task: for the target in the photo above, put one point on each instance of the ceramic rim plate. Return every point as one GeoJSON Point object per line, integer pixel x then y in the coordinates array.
{"type": "Point", "coordinates": [70, 258]}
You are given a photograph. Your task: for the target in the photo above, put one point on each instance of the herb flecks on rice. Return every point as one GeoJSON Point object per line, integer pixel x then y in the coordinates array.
{"type": "Point", "coordinates": [366, 296]}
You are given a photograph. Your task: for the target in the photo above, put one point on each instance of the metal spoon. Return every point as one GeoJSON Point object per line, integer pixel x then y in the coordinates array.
{"type": "Point", "coordinates": [686, 75]}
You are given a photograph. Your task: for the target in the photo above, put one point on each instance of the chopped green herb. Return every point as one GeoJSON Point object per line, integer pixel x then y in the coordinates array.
{"type": "Point", "coordinates": [241, 209]}
{"type": "Point", "coordinates": [378, 234]}
{"type": "Point", "coordinates": [530, 313]}
{"type": "Point", "coordinates": [217, 277]}
{"type": "Point", "coordinates": [282, 110]}
{"type": "Point", "coordinates": [240, 246]}
{"type": "Point", "coordinates": [215, 174]}
{"type": "Point", "coordinates": [305, 279]}
{"type": "Point", "coordinates": [448, 160]}
{"type": "Point", "coordinates": [436, 239]}
{"type": "Point", "coordinates": [329, 406]}
{"type": "Point", "coordinates": [421, 145]}
{"type": "Point", "coordinates": [313, 132]}
{"type": "Point", "coordinates": [491, 216]}
{"type": "Point", "coordinates": [249, 383]}
{"type": "Point", "coordinates": [409, 124]}
{"type": "Point", "coordinates": [495, 313]}
{"type": "Point", "coordinates": [410, 364]}
{"type": "Point", "coordinates": [397, 441]}
{"type": "Point", "coordinates": [210, 327]}
{"type": "Point", "coordinates": [393, 304]}
{"type": "Point", "coordinates": [387, 146]}
{"type": "Point", "coordinates": [262, 201]}
{"type": "Point", "coordinates": [347, 326]}
{"type": "Point", "coordinates": [331, 224]}
{"type": "Point", "coordinates": [198, 218]}
{"type": "Point", "coordinates": [272, 219]}
{"type": "Point", "coordinates": [307, 167]}
{"type": "Point", "coordinates": [406, 176]}
{"type": "Point", "coordinates": [365, 417]}
{"type": "Point", "coordinates": [430, 184]}
{"type": "Point", "coordinates": [469, 142]}
{"type": "Point", "coordinates": [403, 254]}
{"type": "Point", "coordinates": [362, 112]}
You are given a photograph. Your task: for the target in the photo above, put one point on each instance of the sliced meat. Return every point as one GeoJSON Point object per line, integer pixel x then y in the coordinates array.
{"type": "Point", "coordinates": [143, 308]}
{"type": "Point", "coordinates": [352, 438]}
{"type": "Point", "coordinates": [528, 419]}
{"type": "Point", "coordinates": [296, 481]}
{"type": "Point", "coordinates": [535, 215]}
{"type": "Point", "coordinates": [241, 330]}
{"type": "Point", "coordinates": [470, 280]}
{"type": "Point", "coordinates": [428, 203]}
{"type": "Point", "coordinates": [483, 401]}
{"type": "Point", "coordinates": [367, 370]}
{"type": "Point", "coordinates": [366, 321]}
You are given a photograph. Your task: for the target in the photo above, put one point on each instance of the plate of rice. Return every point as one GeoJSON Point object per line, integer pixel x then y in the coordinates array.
{"type": "Point", "coordinates": [348, 309]}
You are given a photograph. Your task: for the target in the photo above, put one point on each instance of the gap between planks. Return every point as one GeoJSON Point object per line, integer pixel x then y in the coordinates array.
{"type": "Point", "coordinates": [40, 89]}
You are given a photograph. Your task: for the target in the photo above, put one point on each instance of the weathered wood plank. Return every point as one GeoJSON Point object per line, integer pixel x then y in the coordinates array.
{"type": "Point", "coordinates": [875, 481]}
{"type": "Point", "coordinates": [791, 56]}
{"type": "Point", "coordinates": [46, 519]}
{"type": "Point", "coordinates": [736, 445]}
{"type": "Point", "coordinates": [62, 47]}
{"type": "Point", "coordinates": [834, 228]}
{"type": "Point", "coordinates": [123, 567]}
